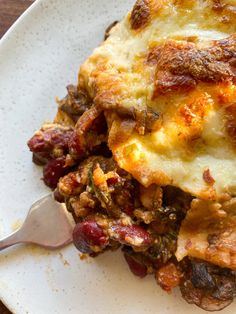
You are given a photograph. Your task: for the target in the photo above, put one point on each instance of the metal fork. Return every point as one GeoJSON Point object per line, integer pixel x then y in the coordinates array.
{"type": "Point", "coordinates": [47, 224]}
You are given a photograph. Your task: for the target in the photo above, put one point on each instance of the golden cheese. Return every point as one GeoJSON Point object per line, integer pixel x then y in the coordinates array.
{"type": "Point", "coordinates": [176, 59]}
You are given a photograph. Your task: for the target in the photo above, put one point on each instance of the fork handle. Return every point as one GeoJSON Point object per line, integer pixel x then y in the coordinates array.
{"type": "Point", "coordinates": [10, 240]}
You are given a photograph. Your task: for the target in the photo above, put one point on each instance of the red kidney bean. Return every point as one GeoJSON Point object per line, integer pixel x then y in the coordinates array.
{"type": "Point", "coordinates": [37, 144]}
{"type": "Point", "coordinates": [136, 266]}
{"type": "Point", "coordinates": [133, 235]}
{"type": "Point", "coordinates": [113, 180]}
{"type": "Point", "coordinates": [47, 140]}
{"type": "Point", "coordinates": [53, 171]}
{"type": "Point", "coordinates": [41, 159]}
{"type": "Point", "coordinates": [87, 234]}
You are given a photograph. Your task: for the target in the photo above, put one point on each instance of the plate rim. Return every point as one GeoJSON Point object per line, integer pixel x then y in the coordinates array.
{"type": "Point", "coordinates": [10, 306]}
{"type": "Point", "coordinates": [19, 20]}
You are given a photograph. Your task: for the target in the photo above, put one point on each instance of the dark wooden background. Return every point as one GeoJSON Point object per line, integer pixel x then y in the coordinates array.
{"type": "Point", "coordinates": [10, 10]}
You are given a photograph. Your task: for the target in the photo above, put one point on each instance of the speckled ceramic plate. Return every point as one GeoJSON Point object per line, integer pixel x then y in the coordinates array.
{"type": "Point", "coordinates": [39, 56]}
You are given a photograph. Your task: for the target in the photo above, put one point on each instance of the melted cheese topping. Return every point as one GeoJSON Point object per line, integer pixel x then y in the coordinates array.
{"type": "Point", "coordinates": [196, 134]}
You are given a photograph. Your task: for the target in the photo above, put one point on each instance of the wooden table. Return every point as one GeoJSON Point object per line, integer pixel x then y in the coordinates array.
{"type": "Point", "coordinates": [10, 10]}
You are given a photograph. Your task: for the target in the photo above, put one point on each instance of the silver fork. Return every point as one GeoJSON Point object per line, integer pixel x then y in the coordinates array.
{"type": "Point", "coordinates": [47, 224]}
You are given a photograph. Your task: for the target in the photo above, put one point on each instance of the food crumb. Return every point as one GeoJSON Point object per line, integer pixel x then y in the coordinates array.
{"type": "Point", "coordinates": [64, 261]}
{"type": "Point", "coordinates": [83, 256]}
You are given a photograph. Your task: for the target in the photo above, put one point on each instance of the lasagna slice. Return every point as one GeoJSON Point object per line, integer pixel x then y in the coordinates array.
{"type": "Point", "coordinates": [143, 149]}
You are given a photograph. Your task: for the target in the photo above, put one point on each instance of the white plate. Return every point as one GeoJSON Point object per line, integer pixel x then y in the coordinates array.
{"type": "Point", "coordinates": [39, 56]}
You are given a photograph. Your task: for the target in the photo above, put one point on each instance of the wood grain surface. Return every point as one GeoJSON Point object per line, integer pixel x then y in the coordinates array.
{"type": "Point", "coordinates": [10, 10]}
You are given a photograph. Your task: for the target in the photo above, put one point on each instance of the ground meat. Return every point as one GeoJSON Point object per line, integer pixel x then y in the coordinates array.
{"type": "Point", "coordinates": [88, 133]}
{"type": "Point", "coordinates": [75, 103]}
{"type": "Point", "coordinates": [82, 205]}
